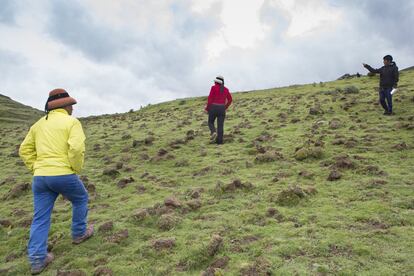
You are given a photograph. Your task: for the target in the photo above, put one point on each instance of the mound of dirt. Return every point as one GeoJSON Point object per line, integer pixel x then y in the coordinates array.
{"type": "Point", "coordinates": [125, 181]}
{"type": "Point", "coordinates": [268, 156]}
{"type": "Point", "coordinates": [103, 271]}
{"type": "Point", "coordinates": [163, 244]}
{"type": "Point", "coordinates": [18, 191]}
{"type": "Point", "coordinates": [140, 214]}
{"type": "Point", "coordinates": [107, 226]}
{"type": "Point", "coordinates": [167, 222]}
{"type": "Point", "coordinates": [233, 186]}
{"type": "Point", "coordinates": [334, 175]}
{"type": "Point", "coordinates": [308, 152]}
{"type": "Point", "coordinates": [118, 237]}
{"type": "Point", "coordinates": [293, 195]}
{"type": "Point", "coordinates": [214, 246]}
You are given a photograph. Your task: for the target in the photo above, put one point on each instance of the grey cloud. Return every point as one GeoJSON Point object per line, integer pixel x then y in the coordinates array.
{"type": "Point", "coordinates": [71, 23]}
{"type": "Point", "coordinates": [391, 20]}
{"type": "Point", "coordinates": [7, 11]}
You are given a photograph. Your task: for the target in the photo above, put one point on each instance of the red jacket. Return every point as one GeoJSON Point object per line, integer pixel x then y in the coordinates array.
{"type": "Point", "coordinates": [216, 97]}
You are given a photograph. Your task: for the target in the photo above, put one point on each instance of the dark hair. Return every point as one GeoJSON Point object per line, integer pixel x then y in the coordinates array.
{"type": "Point", "coordinates": [388, 57]}
{"type": "Point", "coordinates": [222, 88]}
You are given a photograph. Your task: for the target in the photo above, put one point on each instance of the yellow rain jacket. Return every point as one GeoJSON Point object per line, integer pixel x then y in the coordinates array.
{"type": "Point", "coordinates": [55, 146]}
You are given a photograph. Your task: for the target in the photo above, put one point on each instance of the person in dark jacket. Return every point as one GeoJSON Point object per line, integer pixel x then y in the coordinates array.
{"type": "Point", "coordinates": [388, 80]}
{"type": "Point", "coordinates": [218, 102]}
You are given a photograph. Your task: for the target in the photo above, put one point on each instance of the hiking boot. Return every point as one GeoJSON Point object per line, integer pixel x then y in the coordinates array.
{"type": "Point", "coordinates": [386, 113]}
{"type": "Point", "coordinates": [37, 270]}
{"type": "Point", "coordinates": [213, 137]}
{"type": "Point", "coordinates": [87, 235]}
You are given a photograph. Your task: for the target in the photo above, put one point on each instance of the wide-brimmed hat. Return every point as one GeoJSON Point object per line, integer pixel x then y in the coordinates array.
{"type": "Point", "coordinates": [58, 98]}
{"type": "Point", "coordinates": [219, 79]}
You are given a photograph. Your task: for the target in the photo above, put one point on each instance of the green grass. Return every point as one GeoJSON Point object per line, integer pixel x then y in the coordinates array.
{"type": "Point", "coordinates": [14, 113]}
{"type": "Point", "coordinates": [360, 224]}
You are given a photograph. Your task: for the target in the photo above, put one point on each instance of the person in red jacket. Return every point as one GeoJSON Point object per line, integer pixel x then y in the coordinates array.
{"type": "Point", "coordinates": [218, 102]}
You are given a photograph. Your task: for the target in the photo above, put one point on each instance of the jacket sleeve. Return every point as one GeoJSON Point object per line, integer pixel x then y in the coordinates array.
{"type": "Point", "coordinates": [229, 99]}
{"type": "Point", "coordinates": [210, 99]}
{"type": "Point", "coordinates": [27, 150]}
{"type": "Point", "coordinates": [372, 70]}
{"type": "Point", "coordinates": [396, 76]}
{"type": "Point", "coordinates": [76, 150]}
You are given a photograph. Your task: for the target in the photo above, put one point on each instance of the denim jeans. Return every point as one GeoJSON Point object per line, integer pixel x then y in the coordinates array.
{"type": "Point", "coordinates": [45, 191]}
{"type": "Point", "coordinates": [385, 95]}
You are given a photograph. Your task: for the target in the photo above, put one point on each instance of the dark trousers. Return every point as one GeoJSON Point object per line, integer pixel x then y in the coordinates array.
{"type": "Point", "coordinates": [217, 111]}
{"type": "Point", "coordinates": [385, 98]}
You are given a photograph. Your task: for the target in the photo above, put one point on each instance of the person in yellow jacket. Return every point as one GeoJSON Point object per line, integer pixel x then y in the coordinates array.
{"type": "Point", "coordinates": [53, 151]}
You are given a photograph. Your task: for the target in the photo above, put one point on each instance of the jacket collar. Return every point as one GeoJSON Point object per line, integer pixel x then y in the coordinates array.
{"type": "Point", "coordinates": [59, 110]}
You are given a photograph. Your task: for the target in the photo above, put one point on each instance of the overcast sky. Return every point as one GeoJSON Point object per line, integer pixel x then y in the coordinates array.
{"type": "Point", "coordinates": [117, 55]}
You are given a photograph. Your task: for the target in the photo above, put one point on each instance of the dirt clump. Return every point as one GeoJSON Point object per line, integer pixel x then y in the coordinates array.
{"type": "Point", "coordinates": [103, 271]}
{"type": "Point", "coordinates": [268, 156]}
{"type": "Point", "coordinates": [18, 190]}
{"type": "Point", "coordinates": [220, 263]}
{"type": "Point", "coordinates": [172, 202]}
{"type": "Point", "coordinates": [334, 175]}
{"type": "Point", "coordinates": [306, 174]}
{"type": "Point", "coordinates": [308, 152]}
{"type": "Point", "coordinates": [8, 180]}
{"type": "Point", "coordinates": [107, 226]}
{"type": "Point", "coordinates": [6, 223]}
{"type": "Point", "coordinates": [194, 204]}
{"type": "Point", "coordinates": [260, 267]}
{"type": "Point", "coordinates": [214, 245]}
{"type": "Point", "coordinates": [118, 237]}
{"type": "Point", "coordinates": [343, 162]}
{"type": "Point", "coordinates": [140, 214]}
{"type": "Point", "coordinates": [167, 222]}
{"type": "Point", "coordinates": [274, 213]}
{"type": "Point", "coordinates": [293, 195]}
{"type": "Point", "coordinates": [111, 172]}
{"type": "Point", "coordinates": [163, 244]}
{"type": "Point", "coordinates": [400, 146]}
{"type": "Point", "coordinates": [125, 181]}
{"type": "Point", "coordinates": [233, 186]}
{"type": "Point", "coordinates": [335, 124]}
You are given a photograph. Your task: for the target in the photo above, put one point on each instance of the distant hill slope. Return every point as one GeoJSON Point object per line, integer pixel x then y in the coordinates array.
{"type": "Point", "coordinates": [14, 112]}
{"type": "Point", "coordinates": [408, 68]}
{"type": "Point", "coordinates": [312, 180]}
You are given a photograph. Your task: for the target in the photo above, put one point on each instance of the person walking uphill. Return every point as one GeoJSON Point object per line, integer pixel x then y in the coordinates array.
{"type": "Point", "coordinates": [217, 103]}
{"type": "Point", "coordinates": [388, 80]}
{"type": "Point", "coordinates": [53, 151]}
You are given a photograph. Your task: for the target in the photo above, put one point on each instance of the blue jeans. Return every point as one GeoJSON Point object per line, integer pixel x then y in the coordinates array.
{"type": "Point", "coordinates": [45, 191]}
{"type": "Point", "coordinates": [385, 95]}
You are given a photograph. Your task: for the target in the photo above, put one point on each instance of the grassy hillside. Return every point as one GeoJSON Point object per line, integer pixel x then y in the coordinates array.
{"type": "Point", "coordinates": [311, 180]}
{"type": "Point", "coordinates": [14, 113]}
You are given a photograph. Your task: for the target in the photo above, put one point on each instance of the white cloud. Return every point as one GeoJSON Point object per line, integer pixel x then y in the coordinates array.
{"type": "Point", "coordinates": [308, 16]}
{"type": "Point", "coordinates": [241, 27]}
